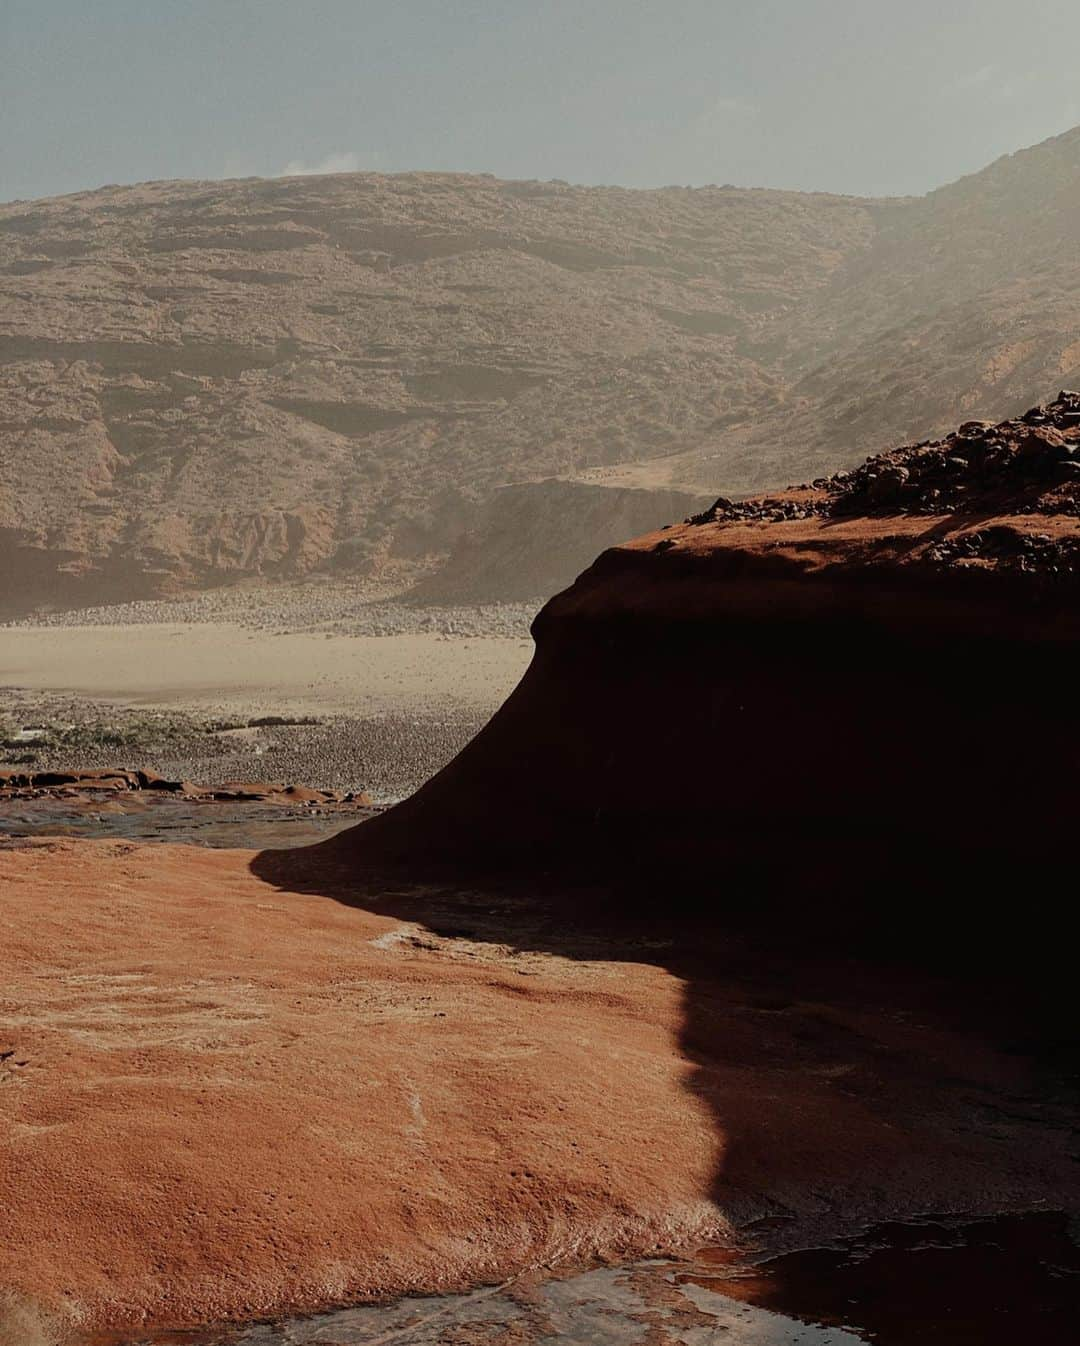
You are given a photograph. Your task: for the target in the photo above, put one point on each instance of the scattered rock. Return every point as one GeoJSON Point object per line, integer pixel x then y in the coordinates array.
{"type": "Point", "coordinates": [29, 785]}
{"type": "Point", "coordinates": [1029, 466]}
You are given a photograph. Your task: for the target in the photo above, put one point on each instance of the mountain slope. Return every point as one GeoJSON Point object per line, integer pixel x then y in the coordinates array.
{"type": "Point", "coordinates": [202, 381]}
{"type": "Point", "coordinates": [965, 303]}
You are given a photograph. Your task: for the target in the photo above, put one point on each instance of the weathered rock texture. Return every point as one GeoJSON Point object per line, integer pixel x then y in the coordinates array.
{"type": "Point", "coordinates": [205, 380]}
{"type": "Point", "coordinates": [845, 709]}
{"type": "Point", "coordinates": [231, 1094]}
{"type": "Point", "coordinates": [200, 381]}
{"type": "Point", "coordinates": [236, 1084]}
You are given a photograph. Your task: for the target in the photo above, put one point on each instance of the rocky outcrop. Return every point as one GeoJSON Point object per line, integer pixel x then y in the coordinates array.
{"type": "Point", "coordinates": [846, 710]}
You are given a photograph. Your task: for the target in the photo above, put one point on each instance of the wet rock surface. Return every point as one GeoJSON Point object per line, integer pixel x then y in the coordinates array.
{"type": "Point", "coordinates": [388, 754]}
{"type": "Point", "coordinates": [938, 1281]}
{"type": "Point", "coordinates": [154, 816]}
{"type": "Point", "coordinates": [140, 805]}
{"type": "Point", "coordinates": [943, 1280]}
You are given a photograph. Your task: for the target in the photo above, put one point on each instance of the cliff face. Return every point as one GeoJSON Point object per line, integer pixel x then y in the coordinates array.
{"type": "Point", "coordinates": [847, 708]}
{"type": "Point", "coordinates": [962, 303]}
{"type": "Point", "coordinates": [201, 381]}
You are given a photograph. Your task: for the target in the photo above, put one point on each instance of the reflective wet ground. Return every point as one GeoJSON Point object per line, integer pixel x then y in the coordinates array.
{"type": "Point", "coordinates": [937, 1281]}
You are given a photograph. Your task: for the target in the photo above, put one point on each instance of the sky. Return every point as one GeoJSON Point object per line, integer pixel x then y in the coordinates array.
{"type": "Point", "coordinates": [870, 97]}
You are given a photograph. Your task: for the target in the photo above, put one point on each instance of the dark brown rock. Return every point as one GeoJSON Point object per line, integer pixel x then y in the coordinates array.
{"type": "Point", "coordinates": [150, 780]}
{"type": "Point", "coordinates": [841, 718]}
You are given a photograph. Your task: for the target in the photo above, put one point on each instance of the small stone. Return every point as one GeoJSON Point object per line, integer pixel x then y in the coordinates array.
{"type": "Point", "coordinates": [888, 485]}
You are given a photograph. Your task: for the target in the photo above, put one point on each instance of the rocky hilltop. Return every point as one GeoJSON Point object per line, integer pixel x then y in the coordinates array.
{"type": "Point", "coordinates": [202, 381]}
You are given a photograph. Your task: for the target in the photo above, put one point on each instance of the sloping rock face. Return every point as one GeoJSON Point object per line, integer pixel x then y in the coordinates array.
{"type": "Point", "coordinates": [844, 710]}
{"type": "Point", "coordinates": [203, 381]}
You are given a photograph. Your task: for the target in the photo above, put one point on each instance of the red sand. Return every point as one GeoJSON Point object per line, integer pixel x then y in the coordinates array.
{"type": "Point", "coordinates": [220, 1098]}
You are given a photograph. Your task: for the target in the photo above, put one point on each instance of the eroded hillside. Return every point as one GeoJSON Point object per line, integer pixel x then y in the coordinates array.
{"type": "Point", "coordinates": [203, 381]}
{"type": "Point", "coordinates": [964, 303]}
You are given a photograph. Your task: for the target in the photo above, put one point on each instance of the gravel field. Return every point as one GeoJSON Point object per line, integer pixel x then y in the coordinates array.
{"type": "Point", "coordinates": [387, 755]}
{"type": "Point", "coordinates": [185, 687]}
{"type": "Point", "coordinates": [324, 606]}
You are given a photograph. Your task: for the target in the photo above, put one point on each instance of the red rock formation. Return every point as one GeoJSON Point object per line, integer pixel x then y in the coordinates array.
{"type": "Point", "coordinates": [232, 1085]}
{"type": "Point", "coordinates": [848, 709]}
{"type": "Point", "coordinates": [228, 1096]}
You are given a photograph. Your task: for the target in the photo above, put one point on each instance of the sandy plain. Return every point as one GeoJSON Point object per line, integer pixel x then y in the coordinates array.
{"type": "Point", "coordinates": [230, 669]}
{"type": "Point", "coordinates": [365, 692]}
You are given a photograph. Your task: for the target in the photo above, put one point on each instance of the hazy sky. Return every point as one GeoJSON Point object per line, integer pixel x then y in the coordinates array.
{"type": "Point", "coordinates": [865, 96]}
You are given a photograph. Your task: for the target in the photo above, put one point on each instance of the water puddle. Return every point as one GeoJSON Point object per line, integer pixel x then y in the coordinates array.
{"type": "Point", "coordinates": [931, 1282]}
{"type": "Point", "coordinates": [937, 1281]}
{"type": "Point", "coordinates": [143, 816]}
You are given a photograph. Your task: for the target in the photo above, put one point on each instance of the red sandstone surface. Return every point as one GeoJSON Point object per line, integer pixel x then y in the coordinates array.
{"type": "Point", "coordinates": [223, 1096]}
{"type": "Point", "coordinates": [839, 722]}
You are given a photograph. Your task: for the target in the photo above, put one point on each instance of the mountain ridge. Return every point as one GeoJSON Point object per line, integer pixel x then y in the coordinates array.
{"type": "Point", "coordinates": [202, 382]}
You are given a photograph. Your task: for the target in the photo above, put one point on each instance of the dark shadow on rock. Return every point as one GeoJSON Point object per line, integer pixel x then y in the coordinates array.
{"type": "Point", "coordinates": [959, 1098]}
{"type": "Point", "coordinates": [841, 815]}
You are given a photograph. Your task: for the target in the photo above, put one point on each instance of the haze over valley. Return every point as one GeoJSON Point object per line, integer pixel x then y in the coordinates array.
{"type": "Point", "coordinates": [210, 382]}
